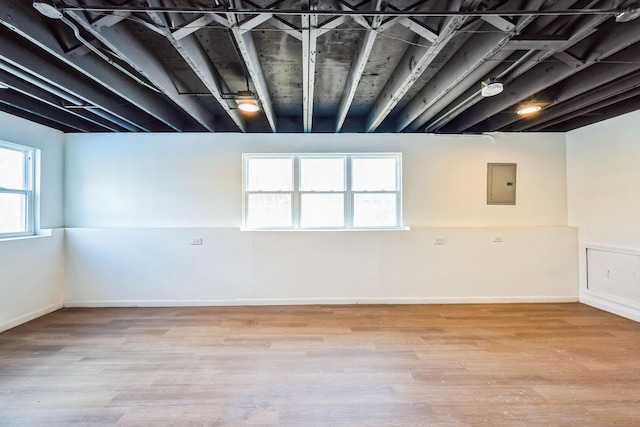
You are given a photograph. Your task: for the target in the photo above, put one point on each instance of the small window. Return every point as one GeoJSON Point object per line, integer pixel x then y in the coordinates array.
{"type": "Point", "coordinates": [17, 198]}
{"type": "Point", "coordinates": [322, 191]}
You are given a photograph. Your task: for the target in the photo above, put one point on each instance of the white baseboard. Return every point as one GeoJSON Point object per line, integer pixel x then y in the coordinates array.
{"type": "Point", "coordinates": [317, 301]}
{"type": "Point", "coordinates": [30, 316]}
{"type": "Point", "coordinates": [620, 308]}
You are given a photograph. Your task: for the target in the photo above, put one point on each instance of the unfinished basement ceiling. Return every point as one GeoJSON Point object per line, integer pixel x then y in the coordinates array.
{"type": "Point", "coordinates": [318, 66]}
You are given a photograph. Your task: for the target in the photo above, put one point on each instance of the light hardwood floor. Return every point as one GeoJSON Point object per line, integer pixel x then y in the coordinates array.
{"type": "Point", "coordinates": [421, 365]}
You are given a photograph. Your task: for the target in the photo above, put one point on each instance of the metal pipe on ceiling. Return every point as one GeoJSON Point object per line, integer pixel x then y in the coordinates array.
{"type": "Point", "coordinates": [324, 12]}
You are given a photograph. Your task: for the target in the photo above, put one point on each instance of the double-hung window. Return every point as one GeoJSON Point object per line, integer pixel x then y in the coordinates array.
{"type": "Point", "coordinates": [17, 198]}
{"type": "Point", "coordinates": [322, 191]}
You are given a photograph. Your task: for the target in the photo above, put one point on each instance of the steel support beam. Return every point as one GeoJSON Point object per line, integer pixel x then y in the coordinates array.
{"type": "Point", "coordinates": [414, 62]}
{"type": "Point", "coordinates": [79, 119]}
{"type": "Point", "coordinates": [474, 60]}
{"type": "Point", "coordinates": [193, 26]}
{"type": "Point", "coordinates": [309, 42]}
{"type": "Point", "coordinates": [25, 113]}
{"type": "Point", "coordinates": [285, 27]}
{"type": "Point", "coordinates": [590, 107]}
{"type": "Point", "coordinates": [578, 91]}
{"type": "Point", "coordinates": [600, 112]}
{"type": "Point", "coordinates": [608, 48]}
{"type": "Point", "coordinates": [249, 53]}
{"type": "Point", "coordinates": [251, 23]}
{"type": "Point", "coordinates": [60, 81]}
{"type": "Point", "coordinates": [28, 24]}
{"type": "Point", "coordinates": [127, 46]}
{"type": "Point", "coordinates": [543, 76]}
{"type": "Point", "coordinates": [193, 53]}
{"type": "Point", "coordinates": [358, 65]}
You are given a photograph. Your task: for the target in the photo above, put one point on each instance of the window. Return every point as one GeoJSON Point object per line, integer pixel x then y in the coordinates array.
{"type": "Point", "coordinates": [322, 191]}
{"type": "Point", "coordinates": [17, 199]}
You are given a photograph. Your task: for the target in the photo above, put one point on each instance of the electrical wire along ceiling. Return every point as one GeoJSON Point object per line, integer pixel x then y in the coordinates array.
{"type": "Point", "coordinates": [319, 66]}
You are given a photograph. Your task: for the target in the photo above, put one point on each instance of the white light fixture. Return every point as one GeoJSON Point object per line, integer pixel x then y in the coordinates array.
{"type": "Point", "coordinates": [491, 89]}
{"type": "Point", "coordinates": [247, 102]}
{"type": "Point", "coordinates": [629, 14]}
{"type": "Point", "coordinates": [48, 9]}
{"type": "Point", "coordinates": [529, 109]}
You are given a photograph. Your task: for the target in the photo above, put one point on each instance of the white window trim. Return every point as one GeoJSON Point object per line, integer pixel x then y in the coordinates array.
{"type": "Point", "coordinates": [29, 191]}
{"type": "Point", "coordinates": [348, 192]}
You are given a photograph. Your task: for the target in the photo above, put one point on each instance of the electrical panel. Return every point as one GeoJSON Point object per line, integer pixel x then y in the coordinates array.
{"type": "Point", "coordinates": [501, 183]}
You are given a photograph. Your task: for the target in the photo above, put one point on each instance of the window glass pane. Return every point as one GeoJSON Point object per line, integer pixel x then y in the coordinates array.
{"type": "Point", "coordinates": [12, 169]}
{"type": "Point", "coordinates": [270, 175]}
{"type": "Point", "coordinates": [269, 210]}
{"type": "Point", "coordinates": [374, 210]}
{"type": "Point", "coordinates": [374, 174]}
{"type": "Point", "coordinates": [12, 213]}
{"type": "Point", "coordinates": [322, 210]}
{"type": "Point", "coordinates": [321, 174]}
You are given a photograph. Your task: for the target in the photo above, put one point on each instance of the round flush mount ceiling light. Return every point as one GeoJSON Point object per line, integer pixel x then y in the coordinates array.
{"type": "Point", "coordinates": [528, 109]}
{"type": "Point", "coordinates": [48, 9]}
{"type": "Point", "coordinates": [491, 89]}
{"type": "Point", "coordinates": [248, 105]}
{"type": "Point", "coordinates": [247, 102]}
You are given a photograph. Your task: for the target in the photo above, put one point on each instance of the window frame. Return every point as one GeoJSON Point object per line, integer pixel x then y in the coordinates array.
{"type": "Point", "coordinates": [348, 192]}
{"type": "Point", "coordinates": [29, 192]}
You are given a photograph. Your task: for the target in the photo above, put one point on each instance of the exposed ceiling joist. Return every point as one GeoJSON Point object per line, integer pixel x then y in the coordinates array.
{"type": "Point", "coordinates": [57, 79]}
{"type": "Point", "coordinates": [29, 26]}
{"type": "Point", "coordinates": [548, 74]}
{"type": "Point", "coordinates": [79, 119]}
{"type": "Point", "coordinates": [159, 74]}
{"type": "Point", "coordinates": [195, 56]}
{"type": "Point", "coordinates": [32, 105]}
{"type": "Point", "coordinates": [459, 74]}
{"type": "Point", "coordinates": [596, 104]}
{"type": "Point", "coordinates": [309, 43]}
{"type": "Point", "coordinates": [246, 46]}
{"type": "Point", "coordinates": [332, 24]}
{"type": "Point", "coordinates": [579, 89]}
{"type": "Point", "coordinates": [414, 62]}
{"type": "Point", "coordinates": [193, 26]}
{"type": "Point", "coordinates": [33, 116]}
{"type": "Point", "coordinates": [110, 20]}
{"type": "Point", "coordinates": [285, 27]}
{"type": "Point", "coordinates": [124, 43]}
{"type": "Point", "coordinates": [500, 23]}
{"type": "Point", "coordinates": [524, 88]}
{"type": "Point", "coordinates": [251, 23]}
{"type": "Point", "coordinates": [358, 66]}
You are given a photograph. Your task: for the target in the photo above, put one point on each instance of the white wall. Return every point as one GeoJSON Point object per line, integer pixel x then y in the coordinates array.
{"type": "Point", "coordinates": [187, 180]}
{"type": "Point", "coordinates": [134, 201]}
{"type": "Point", "coordinates": [32, 269]}
{"type": "Point", "coordinates": [603, 179]}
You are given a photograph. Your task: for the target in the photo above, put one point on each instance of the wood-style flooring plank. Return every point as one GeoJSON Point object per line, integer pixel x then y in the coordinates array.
{"type": "Point", "coordinates": [364, 365]}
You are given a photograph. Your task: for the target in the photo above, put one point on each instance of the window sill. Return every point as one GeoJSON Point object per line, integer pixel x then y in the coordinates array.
{"type": "Point", "coordinates": [323, 229]}
{"type": "Point", "coordinates": [40, 234]}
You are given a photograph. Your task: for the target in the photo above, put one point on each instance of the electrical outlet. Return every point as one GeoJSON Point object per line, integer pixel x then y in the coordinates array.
{"type": "Point", "coordinates": [196, 240]}
{"type": "Point", "coordinates": [497, 238]}
{"type": "Point", "coordinates": [438, 241]}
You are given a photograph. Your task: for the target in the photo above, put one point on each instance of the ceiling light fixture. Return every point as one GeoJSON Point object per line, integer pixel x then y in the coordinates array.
{"type": "Point", "coordinates": [48, 9]}
{"type": "Point", "coordinates": [629, 14]}
{"type": "Point", "coordinates": [528, 109]}
{"type": "Point", "coordinates": [247, 101]}
{"type": "Point", "coordinates": [491, 88]}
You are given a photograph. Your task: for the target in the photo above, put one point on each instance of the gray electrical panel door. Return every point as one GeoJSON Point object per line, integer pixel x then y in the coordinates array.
{"type": "Point", "coordinates": [501, 183]}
